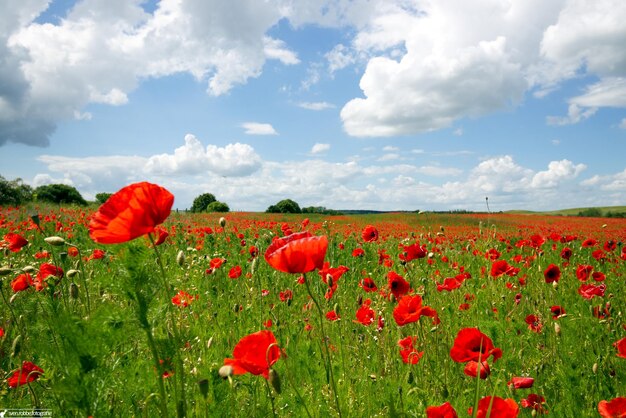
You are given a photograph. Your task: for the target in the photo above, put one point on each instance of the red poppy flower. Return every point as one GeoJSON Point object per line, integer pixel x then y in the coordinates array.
{"type": "Point", "coordinates": [253, 251]}
{"type": "Point", "coordinates": [449, 284]}
{"type": "Point", "coordinates": [1, 332]}
{"type": "Point", "coordinates": [285, 295]}
{"type": "Point", "coordinates": [255, 353]}
{"type": "Point", "coordinates": [470, 344]}
{"type": "Point", "coordinates": [235, 272]}
{"type": "Point", "coordinates": [534, 323]}
{"type": "Point", "coordinates": [72, 251]}
{"type": "Point", "coordinates": [535, 402]}
{"type": "Point", "coordinates": [14, 242]}
{"type": "Point", "coordinates": [408, 353]}
{"type": "Point", "coordinates": [183, 299]}
{"type": "Point", "coordinates": [297, 253]}
{"type": "Point", "coordinates": [501, 267]}
{"type": "Point", "coordinates": [29, 372]}
{"type": "Point", "coordinates": [588, 291]}
{"type": "Point", "coordinates": [332, 316]}
{"type": "Point", "coordinates": [411, 252]}
{"type": "Point", "coordinates": [598, 276]}
{"type": "Point", "coordinates": [22, 282]}
{"type": "Point", "coordinates": [410, 309]}
{"type": "Point", "coordinates": [43, 255]}
{"type": "Point", "coordinates": [365, 315]}
{"type": "Point", "coordinates": [97, 254]}
{"type": "Point", "coordinates": [566, 253]}
{"type": "Point", "coordinates": [46, 270]}
{"type": "Point", "coordinates": [358, 252]}
{"type": "Point", "coordinates": [161, 235]}
{"type": "Point", "coordinates": [216, 263]}
{"type": "Point", "coordinates": [552, 273]}
{"type": "Point", "coordinates": [557, 311]}
{"type": "Point", "coordinates": [397, 285]}
{"type": "Point", "coordinates": [133, 211]}
{"type": "Point", "coordinates": [497, 408]}
{"type": "Point", "coordinates": [583, 272]}
{"type": "Point", "coordinates": [521, 382]}
{"type": "Point", "coordinates": [621, 347]}
{"type": "Point", "coordinates": [471, 369]}
{"type": "Point", "coordinates": [610, 245]}
{"type": "Point", "coordinates": [444, 410]}
{"type": "Point", "coordinates": [368, 285]}
{"type": "Point", "coordinates": [615, 408]}
{"type": "Point", "coordinates": [589, 242]}
{"type": "Point", "coordinates": [369, 234]}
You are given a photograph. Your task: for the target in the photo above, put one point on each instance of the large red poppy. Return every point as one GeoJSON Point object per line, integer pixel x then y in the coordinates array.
{"type": "Point", "coordinates": [29, 372]}
{"type": "Point", "coordinates": [255, 353]}
{"type": "Point", "coordinates": [22, 282]}
{"type": "Point", "coordinates": [552, 273]}
{"type": "Point", "coordinates": [410, 309]}
{"type": "Point", "coordinates": [133, 211]}
{"type": "Point", "coordinates": [621, 347]}
{"type": "Point", "coordinates": [497, 408]}
{"type": "Point", "coordinates": [14, 242]}
{"type": "Point", "coordinates": [521, 382]}
{"type": "Point", "coordinates": [408, 352]}
{"type": "Point", "coordinates": [470, 344]}
{"type": "Point", "coordinates": [444, 410]}
{"type": "Point", "coordinates": [297, 253]}
{"type": "Point", "coordinates": [615, 408]}
{"type": "Point", "coordinates": [369, 234]}
{"type": "Point", "coordinates": [397, 285]}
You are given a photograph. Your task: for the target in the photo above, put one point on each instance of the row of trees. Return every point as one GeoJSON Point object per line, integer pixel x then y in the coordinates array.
{"type": "Point", "coordinates": [16, 192]}
{"type": "Point", "coordinates": [290, 206]}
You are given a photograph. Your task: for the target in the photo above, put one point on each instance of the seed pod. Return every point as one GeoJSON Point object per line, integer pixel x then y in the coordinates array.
{"type": "Point", "coordinates": [28, 269]}
{"type": "Point", "coordinates": [275, 380]}
{"type": "Point", "coordinates": [225, 371]}
{"type": "Point", "coordinates": [4, 271]}
{"type": "Point", "coordinates": [203, 385]}
{"type": "Point", "coordinates": [73, 290]}
{"type": "Point", "coordinates": [16, 347]}
{"type": "Point", "coordinates": [594, 368]}
{"type": "Point", "coordinates": [253, 266]}
{"type": "Point", "coordinates": [222, 222]}
{"type": "Point", "coordinates": [557, 329]}
{"type": "Point", "coordinates": [180, 258]}
{"type": "Point", "coordinates": [54, 241]}
{"type": "Point", "coordinates": [71, 273]}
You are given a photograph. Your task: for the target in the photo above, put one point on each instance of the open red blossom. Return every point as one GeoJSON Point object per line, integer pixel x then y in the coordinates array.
{"type": "Point", "coordinates": [358, 252]}
{"type": "Point", "coordinates": [408, 353]}
{"type": "Point", "coordinates": [449, 284]}
{"type": "Point", "coordinates": [47, 270]}
{"type": "Point", "coordinates": [183, 299]}
{"type": "Point", "coordinates": [552, 273]}
{"type": "Point", "coordinates": [97, 254]}
{"type": "Point", "coordinates": [410, 309]}
{"type": "Point", "coordinates": [615, 408]}
{"type": "Point", "coordinates": [29, 372]}
{"type": "Point", "coordinates": [497, 408]}
{"type": "Point", "coordinates": [368, 285]}
{"type": "Point", "coordinates": [534, 323]}
{"type": "Point", "coordinates": [332, 316]}
{"type": "Point", "coordinates": [470, 344]}
{"type": "Point", "coordinates": [566, 253]}
{"type": "Point", "coordinates": [521, 382]}
{"type": "Point", "coordinates": [133, 211]}
{"type": "Point", "coordinates": [502, 267]}
{"type": "Point", "coordinates": [535, 402]}
{"type": "Point", "coordinates": [14, 242]}
{"type": "Point", "coordinates": [621, 347]}
{"type": "Point", "coordinates": [598, 276]}
{"type": "Point", "coordinates": [285, 295]}
{"type": "Point", "coordinates": [235, 272]}
{"type": "Point", "coordinates": [369, 234]}
{"type": "Point", "coordinates": [22, 282]}
{"type": "Point", "coordinates": [444, 410]}
{"type": "Point", "coordinates": [397, 285]}
{"type": "Point", "coordinates": [588, 291]}
{"type": "Point", "coordinates": [297, 253]}
{"type": "Point", "coordinates": [365, 315]}
{"type": "Point", "coordinates": [161, 235]}
{"type": "Point", "coordinates": [471, 369]}
{"type": "Point", "coordinates": [557, 311]}
{"type": "Point", "coordinates": [583, 272]}
{"type": "Point", "coordinates": [589, 242]}
{"type": "Point", "coordinates": [255, 353]}
{"type": "Point", "coordinates": [411, 252]}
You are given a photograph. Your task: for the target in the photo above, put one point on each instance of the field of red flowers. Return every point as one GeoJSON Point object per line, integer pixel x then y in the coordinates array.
{"type": "Point", "coordinates": [133, 310]}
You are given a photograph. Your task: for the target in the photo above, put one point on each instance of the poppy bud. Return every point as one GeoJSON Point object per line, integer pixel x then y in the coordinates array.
{"type": "Point", "coordinates": [28, 269]}
{"type": "Point", "coordinates": [431, 255]}
{"type": "Point", "coordinates": [203, 385]}
{"type": "Point", "coordinates": [35, 219]}
{"type": "Point", "coordinates": [594, 368]}
{"type": "Point", "coordinates": [16, 347]}
{"type": "Point", "coordinates": [329, 280]}
{"type": "Point", "coordinates": [15, 296]}
{"type": "Point", "coordinates": [71, 273]}
{"type": "Point", "coordinates": [73, 290]}
{"type": "Point", "coordinates": [555, 285]}
{"type": "Point", "coordinates": [222, 222]}
{"type": "Point", "coordinates": [225, 371]}
{"type": "Point", "coordinates": [5, 271]}
{"type": "Point", "coordinates": [557, 329]}
{"type": "Point", "coordinates": [274, 380]}
{"type": "Point", "coordinates": [180, 258]}
{"type": "Point", "coordinates": [253, 266]}
{"type": "Point", "coordinates": [54, 241]}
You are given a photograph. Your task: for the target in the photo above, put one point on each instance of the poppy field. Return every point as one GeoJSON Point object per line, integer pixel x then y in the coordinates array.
{"type": "Point", "coordinates": [132, 309]}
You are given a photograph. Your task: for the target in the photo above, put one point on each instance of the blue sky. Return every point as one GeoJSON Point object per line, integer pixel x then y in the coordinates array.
{"type": "Point", "coordinates": [363, 104]}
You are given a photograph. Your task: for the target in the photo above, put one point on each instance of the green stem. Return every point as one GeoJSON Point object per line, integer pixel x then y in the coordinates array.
{"type": "Point", "coordinates": [82, 275]}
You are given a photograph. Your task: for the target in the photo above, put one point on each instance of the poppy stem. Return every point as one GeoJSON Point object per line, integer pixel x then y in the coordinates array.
{"type": "Point", "coordinates": [476, 395]}
{"type": "Point", "coordinates": [82, 275]}
{"type": "Point", "coordinates": [327, 358]}
{"type": "Point", "coordinates": [269, 393]}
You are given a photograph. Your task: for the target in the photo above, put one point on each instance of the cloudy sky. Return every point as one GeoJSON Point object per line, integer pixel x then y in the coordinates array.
{"type": "Point", "coordinates": [363, 104]}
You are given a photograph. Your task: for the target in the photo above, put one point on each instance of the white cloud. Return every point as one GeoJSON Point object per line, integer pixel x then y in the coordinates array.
{"type": "Point", "coordinates": [557, 171]}
{"type": "Point", "coordinates": [275, 49]}
{"type": "Point", "coordinates": [389, 157]}
{"type": "Point", "coordinates": [340, 57]}
{"type": "Point", "coordinates": [390, 148]}
{"type": "Point", "coordinates": [575, 114]}
{"type": "Point", "coordinates": [320, 148]}
{"type": "Point", "coordinates": [610, 92]}
{"type": "Point", "coordinates": [254, 128]}
{"type": "Point", "coordinates": [316, 105]}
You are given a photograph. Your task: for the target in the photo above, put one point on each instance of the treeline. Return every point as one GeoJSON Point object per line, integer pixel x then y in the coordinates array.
{"type": "Point", "coordinates": [290, 206]}
{"type": "Point", "coordinates": [597, 213]}
{"type": "Point", "coordinates": [16, 192]}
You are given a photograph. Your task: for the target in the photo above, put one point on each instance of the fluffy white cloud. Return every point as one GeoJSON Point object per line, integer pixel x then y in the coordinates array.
{"type": "Point", "coordinates": [276, 49]}
{"type": "Point", "coordinates": [255, 128]}
{"type": "Point", "coordinates": [320, 148]}
{"type": "Point", "coordinates": [575, 114]}
{"type": "Point", "coordinates": [557, 171]}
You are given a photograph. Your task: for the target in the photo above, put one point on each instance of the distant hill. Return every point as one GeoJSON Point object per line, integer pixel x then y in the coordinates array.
{"type": "Point", "coordinates": [600, 211]}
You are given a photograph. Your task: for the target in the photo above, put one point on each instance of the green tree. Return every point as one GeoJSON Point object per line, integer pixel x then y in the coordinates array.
{"type": "Point", "coordinates": [103, 197]}
{"type": "Point", "coordinates": [14, 192]}
{"type": "Point", "coordinates": [284, 206]}
{"type": "Point", "coordinates": [201, 202]}
{"type": "Point", "coordinates": [217, 207]}
{"type": "Point", "coordinates": [59, 193]}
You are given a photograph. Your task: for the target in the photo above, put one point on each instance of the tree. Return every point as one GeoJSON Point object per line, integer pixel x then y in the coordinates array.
{"type": "Point", "coordinates": [59, 193]}
{"type": "Point", "coordinates": [14, 192]}
{"type": "Point", "coordinates": [103, 197]}
{"type": "Point", "coordinates": [284, 206]}
{"type": "Point", "coordinates": [217, 207]}
{"type": "Point", "coordinates": [201, 202]}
